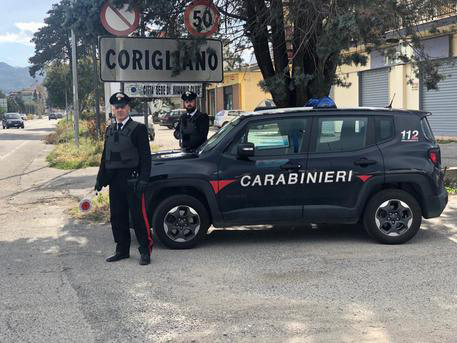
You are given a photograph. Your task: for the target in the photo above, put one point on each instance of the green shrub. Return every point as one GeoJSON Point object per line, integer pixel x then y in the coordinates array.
{"type": "Point", "coordinates": [68, 156]}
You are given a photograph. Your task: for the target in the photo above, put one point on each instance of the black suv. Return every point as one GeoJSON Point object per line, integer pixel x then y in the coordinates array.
{"type": "Point", "coordinates": [379, 167]}
{"type": "Point", "coordinates": [12, 120]}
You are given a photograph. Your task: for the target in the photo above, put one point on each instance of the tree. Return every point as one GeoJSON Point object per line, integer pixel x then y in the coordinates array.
{"type": "Point", "coordinates": [52, 41]}
{"type": "Point", "coordinates": [84, 18]}
{"type": "Point", "coordinates": [53, 49]}
{"type": "Point", "coordinates": [59, 86]}
{"type": "Point", "coordinates": [299, 44]}
{"type": "Point", "coordinates": [15, 104]}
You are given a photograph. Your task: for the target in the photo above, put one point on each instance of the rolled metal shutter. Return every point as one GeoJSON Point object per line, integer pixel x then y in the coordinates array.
{"type": "Point", "coordinates": [374, 88]}
{"type": "Point", "coordinates": [442, 102]}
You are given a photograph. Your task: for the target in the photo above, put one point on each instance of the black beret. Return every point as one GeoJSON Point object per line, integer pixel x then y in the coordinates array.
{"type": "Point", "coordinates": [119, 99]}
{"type": "Point", "coordinates": [188, 96]}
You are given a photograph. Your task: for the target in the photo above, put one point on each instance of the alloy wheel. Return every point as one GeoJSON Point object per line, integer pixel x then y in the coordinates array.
{"type": "Point", "coordinates": [394, 217]}
{"type": "Point", "coordinates": [181, 223]}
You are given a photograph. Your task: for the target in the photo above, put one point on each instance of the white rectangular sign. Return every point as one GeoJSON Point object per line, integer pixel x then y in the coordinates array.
{"type": "Point", "coordinates": [161, 90]}
{"type": "Point", "coordinates": [160, 59]}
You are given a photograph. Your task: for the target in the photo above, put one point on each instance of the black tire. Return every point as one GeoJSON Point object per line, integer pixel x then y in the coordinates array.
{"type": "Point", "coordinates": [375, 213]}
{"type": "Point", "coordinates": [166, 207]}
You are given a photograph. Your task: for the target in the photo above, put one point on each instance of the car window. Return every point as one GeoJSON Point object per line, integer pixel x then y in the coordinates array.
{"type": "Point", "coordinates": [384, 128]}
{"type": "Point", "coordinates": [282, 136]}
{"type": "Point", "coordinates": [12, 116]}
{"type": "Point", "coordinates": [218, 136]}
{"type": "Point", "coordinates": [341, 133]}
{"type": "Point", "coordinates": [427, 129]}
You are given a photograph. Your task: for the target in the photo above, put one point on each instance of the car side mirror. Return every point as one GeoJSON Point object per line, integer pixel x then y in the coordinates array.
{"type": "Point", "coordinates": [246, 150]}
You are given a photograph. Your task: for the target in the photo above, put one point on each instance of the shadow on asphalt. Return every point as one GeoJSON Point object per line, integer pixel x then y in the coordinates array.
{"type": "Point", "coordinates": [71, 182]}
{"type": "Point", "coordinates": [5, 136]}
{"type": "Point", "coordinates": [285, 234]}
{"type": "Point", "coordinates": [47, 129]}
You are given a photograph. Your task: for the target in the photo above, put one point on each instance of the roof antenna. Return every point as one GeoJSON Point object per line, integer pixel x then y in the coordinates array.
{"type": "Point", "coordinates": [391, 102]}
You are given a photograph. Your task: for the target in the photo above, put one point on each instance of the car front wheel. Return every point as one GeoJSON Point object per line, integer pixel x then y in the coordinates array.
{"type": "Point", "coordinates": [392, 216]}
{"type": "Point", "coordinates": [181, 221]}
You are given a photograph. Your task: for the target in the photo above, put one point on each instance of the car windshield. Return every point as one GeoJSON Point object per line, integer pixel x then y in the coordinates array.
{"type": "Point", "coordinates": [12, 116]}
{"type": "Point", "coordinates": [218, 136]}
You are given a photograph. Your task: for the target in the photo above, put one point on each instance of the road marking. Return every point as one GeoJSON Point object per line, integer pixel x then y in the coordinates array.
{"type": "Point", "coordinates": [12, 151]}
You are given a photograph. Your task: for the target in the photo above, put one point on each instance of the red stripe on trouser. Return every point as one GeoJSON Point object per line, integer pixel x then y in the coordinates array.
{"type": "Point", "coordinates": [146, 222]}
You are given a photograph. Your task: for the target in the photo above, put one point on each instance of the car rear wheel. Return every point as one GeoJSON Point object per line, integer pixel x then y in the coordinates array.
{"type": "Point", "coordinates": [181, 221]}
{"type": "Point", "coordinates": [392, 216]}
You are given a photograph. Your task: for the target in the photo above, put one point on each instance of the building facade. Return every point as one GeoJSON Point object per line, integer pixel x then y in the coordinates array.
{"type": "Point", "coordinates": [384, 80]}
{"type": "Point", "coordinates": [239, 91]}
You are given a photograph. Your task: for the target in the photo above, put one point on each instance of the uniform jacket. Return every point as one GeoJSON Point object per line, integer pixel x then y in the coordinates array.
{"type": "Point", "coordinates": [193, 131]}
{"type": "Point", "coordinates": [140, 140]}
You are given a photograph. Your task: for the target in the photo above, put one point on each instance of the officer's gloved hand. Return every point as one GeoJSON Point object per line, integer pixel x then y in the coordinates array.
{"type": "Point", "coordinates": [140, 187]}
{"type": "Point", "coordinates": [98, 187]}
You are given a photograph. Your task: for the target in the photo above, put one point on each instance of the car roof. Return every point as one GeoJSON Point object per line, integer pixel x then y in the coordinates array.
{"type": "Point", "coordinates": [336, 111]}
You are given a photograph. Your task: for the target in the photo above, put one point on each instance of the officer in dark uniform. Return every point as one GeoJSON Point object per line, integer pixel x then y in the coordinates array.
{"type": "Point", "coordinates": [193, 126]}
{"type": "Point", "coordinates": [126, 154]}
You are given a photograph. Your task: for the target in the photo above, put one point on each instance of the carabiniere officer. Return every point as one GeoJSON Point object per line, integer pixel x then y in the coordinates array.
{"type": "Point", "coordinates": [126, 154]}
{"type": "Point", "coordinates": [193, 126]}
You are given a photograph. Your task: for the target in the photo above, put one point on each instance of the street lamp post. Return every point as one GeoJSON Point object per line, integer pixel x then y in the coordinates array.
{"type": "Point", "coordinates": [75, 87]}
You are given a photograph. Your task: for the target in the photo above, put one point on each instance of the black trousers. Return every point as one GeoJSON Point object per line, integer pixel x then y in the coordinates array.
{"type": "Point", "coordinates": [122, 200]}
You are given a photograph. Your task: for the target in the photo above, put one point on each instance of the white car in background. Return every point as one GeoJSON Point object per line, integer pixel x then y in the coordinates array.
{"type": "Point", "coordinates": [225, 116]}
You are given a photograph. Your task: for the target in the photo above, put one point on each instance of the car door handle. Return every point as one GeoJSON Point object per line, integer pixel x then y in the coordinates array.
{"type": "Point", "coordinates": [363, 162]}
{"type": "Point", "coordinates": [290, 166]}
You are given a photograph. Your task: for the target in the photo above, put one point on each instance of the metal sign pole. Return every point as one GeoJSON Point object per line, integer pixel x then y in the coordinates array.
{"type": "Point", "coordinates": [75, 87]}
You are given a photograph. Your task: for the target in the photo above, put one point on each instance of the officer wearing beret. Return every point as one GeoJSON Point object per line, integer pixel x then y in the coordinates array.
{"type": "Point", "coordinates": [193, 126]}
{"type": "Point", "coordinates": [126, 153]}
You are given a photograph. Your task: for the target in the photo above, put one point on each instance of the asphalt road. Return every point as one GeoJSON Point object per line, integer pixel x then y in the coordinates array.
{"type": "Point", "coordinates": [307, 284]}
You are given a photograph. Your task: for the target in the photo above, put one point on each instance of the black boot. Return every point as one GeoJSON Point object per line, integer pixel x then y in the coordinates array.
{"type": "Point", "coordinates": [117, 257]}
{"type": "Point", "coordinates": [145, 259]}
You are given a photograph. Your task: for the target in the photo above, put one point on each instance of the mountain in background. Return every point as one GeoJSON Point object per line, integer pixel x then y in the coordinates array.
{"type": "Point", "coordinates": [15, 78]}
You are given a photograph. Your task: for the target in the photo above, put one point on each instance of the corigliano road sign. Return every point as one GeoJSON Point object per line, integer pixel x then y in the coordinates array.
{"type": "Point", "coordinates": [157, 59]}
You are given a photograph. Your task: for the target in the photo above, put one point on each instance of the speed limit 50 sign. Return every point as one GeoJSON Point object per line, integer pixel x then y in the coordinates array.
{"type": "Point", "coordinates": [202, 18]}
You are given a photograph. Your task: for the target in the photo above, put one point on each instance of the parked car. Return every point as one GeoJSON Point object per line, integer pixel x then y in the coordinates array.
{"type": "Point", "coordinates": [171, 119]}
{"type": "Point", "coordinates": [59, 115]}
{"type": "Point", "coordinates": [151, 131]}
{"type": "Point", "coordinates": [52, 116]}
{"type": "Point", "coordinates": [12, 120]}
{"type": "Point", "coordinates": [379, 167]}
{"type": "Point", "coordinates": [224, 116]}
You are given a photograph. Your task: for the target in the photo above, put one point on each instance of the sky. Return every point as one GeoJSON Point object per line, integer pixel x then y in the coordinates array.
{"type": "Point", "coordinates": [18, 21]}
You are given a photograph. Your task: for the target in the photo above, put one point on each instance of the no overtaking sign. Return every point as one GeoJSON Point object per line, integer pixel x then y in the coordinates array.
{"type": "Point", "coordinates": [119, 21]}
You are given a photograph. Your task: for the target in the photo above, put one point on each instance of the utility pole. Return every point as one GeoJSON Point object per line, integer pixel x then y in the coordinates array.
{"type": "Point", "coordinates": [75, 87]}
{"type": "Point", "coordinates": [97, 95]}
